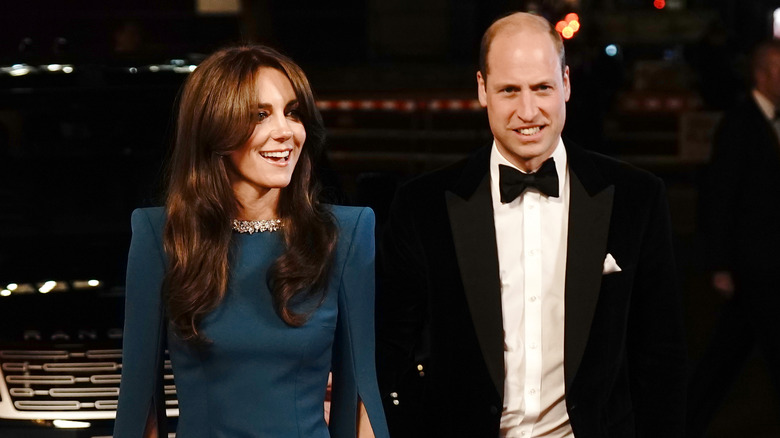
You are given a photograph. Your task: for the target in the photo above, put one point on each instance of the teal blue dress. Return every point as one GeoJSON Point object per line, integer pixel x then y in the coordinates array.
{"type": "Point", "coordinates": [259, 377]}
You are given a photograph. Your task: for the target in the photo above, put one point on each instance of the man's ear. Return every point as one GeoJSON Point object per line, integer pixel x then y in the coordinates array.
{"type": "Point", "coordinates": [481, 91]}
{"type": "Point", "coordinates": [566, 84]}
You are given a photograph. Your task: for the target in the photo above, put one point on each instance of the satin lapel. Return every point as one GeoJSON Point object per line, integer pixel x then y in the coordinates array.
{"type": "Point", "coordinates": [589, 217]}
{"type": "Point", "coordinates": [474, 235]}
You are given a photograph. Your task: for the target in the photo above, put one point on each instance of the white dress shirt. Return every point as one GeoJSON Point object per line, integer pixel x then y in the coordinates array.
{"type": "Point", "coordinates": [531, 234]}
{"type": "Point", "coordinates": [768, 109]}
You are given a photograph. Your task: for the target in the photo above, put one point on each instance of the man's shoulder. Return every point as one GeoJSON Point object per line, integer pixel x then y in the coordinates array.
{"type": "Point", "coordinates": [618, 167]}
{"type": "Point", "coordinates": [746, 110]}
{"type": "Point", "coordinates": [436, 182]}
{"type": "Point", "coordinates": [611, 168]}
{"type": "Point", "coordinates": [626, 177]}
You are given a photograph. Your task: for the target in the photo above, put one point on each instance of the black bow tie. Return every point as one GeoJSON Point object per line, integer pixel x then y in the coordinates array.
{"type": "Point", "coordinates": [512, 182]}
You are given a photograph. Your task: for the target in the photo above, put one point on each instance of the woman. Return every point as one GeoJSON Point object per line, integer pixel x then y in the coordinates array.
{"type": "Point", "coordinates": [263, 289]}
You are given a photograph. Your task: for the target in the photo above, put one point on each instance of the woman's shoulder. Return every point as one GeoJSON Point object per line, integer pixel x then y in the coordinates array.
{"type": "Point", "coordinates": [150, 217]}
{"type": "Point", "coordinates": [349, 217]}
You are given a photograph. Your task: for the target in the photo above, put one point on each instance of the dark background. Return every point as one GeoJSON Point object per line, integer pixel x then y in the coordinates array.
{"type": "Point", "coordinates": [80, 150]}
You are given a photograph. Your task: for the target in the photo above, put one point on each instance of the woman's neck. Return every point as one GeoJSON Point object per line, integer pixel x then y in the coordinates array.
{"type": "Point", "coordinates": [254, 205]}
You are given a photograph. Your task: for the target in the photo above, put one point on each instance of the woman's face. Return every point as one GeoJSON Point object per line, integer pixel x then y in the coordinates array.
{"type": "Point", "coordinates": [267, 160]}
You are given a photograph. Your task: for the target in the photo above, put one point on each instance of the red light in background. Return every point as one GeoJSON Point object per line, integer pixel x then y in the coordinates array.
{"type": "Point", "coordinates": [568, 26]}
{"type": "Point", "coordinates": [659, 4]}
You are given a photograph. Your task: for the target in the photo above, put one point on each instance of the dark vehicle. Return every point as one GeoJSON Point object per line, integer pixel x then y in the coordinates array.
{"type": "Point", "coordinates": [80, 148]}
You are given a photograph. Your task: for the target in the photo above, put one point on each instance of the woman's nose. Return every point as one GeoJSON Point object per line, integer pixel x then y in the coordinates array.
{"type": "Point", "coordinates": [281, 130]}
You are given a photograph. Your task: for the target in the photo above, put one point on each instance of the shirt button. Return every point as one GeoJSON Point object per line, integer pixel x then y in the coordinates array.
{"type": "Point", "coordinates": [533, 347]}
{"type": "Point", "coordinates": [532, 252]}
{"type": "Point", "coordinates": [532, 391]}
{"type": "Point", "coordinates": [532, 299]}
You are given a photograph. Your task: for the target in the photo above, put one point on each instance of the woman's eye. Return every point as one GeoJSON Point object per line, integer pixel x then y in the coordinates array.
{"type": "Point", "coordinates": [262, 115]}
{"type": "Point", "coordinates": [294, 114]}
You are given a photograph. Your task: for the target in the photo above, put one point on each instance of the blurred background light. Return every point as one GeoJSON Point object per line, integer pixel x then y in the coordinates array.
{"type": "Point", "coordinates": [69, 424]}
{"type": "Point", "coordinates": [19, 70]}
{"type": "Point", "coordinates": [47, 287]}
{"type": "Point", "coordinates": [569, 26]}
{"type": "Point", "coordinates": [776, 23]}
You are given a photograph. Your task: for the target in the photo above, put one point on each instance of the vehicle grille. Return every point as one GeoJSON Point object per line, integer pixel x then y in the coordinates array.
{"type": "Point", "coordinates": [66, 384]}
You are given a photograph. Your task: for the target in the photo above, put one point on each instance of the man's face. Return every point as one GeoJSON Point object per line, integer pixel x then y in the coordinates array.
{"type": "Point", "coordinates": [770, 81]}
{"type": "Point", "coordinates": [525, 94]}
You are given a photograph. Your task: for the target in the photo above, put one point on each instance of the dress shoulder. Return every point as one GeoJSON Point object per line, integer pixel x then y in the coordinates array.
{"type": "Point", "coordinates": [143, 315]}
{"type": "Point", "coordinates": [348, 217]}
{"type": "Point", "coordinates": [150, 216]}
{"type": "Point", "coordinates": [354, 370]}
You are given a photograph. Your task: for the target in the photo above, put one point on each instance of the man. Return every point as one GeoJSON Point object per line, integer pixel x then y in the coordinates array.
{"type": "Point", "coordinates": [743, 187]}
{"type": "Point", "coordinates": [545, 312]}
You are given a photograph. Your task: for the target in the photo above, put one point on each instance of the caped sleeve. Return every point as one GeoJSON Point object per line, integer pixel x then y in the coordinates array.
{"type": "Point", "coordinates": [354, 368]}
{"type": "Point", "coordinates": [143, 314]}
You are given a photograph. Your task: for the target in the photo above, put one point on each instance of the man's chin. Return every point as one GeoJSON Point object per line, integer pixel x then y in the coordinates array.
{"type": "Point", "coordinates": [526, 156]}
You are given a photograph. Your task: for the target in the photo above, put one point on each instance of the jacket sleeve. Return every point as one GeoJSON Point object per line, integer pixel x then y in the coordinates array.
{"type": "Point", "coordinates": [141, 338]}
{"type": "Point", "coordinates": [402, 308]}
{"type": "Point", "coordinates": [720, 192]}
{"type": "Point", "coordinates": [354, 368]}
{"type": "Point", "coordinates": [656, 340]}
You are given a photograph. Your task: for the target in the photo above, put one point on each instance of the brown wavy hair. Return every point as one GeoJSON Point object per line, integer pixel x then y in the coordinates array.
{"type": "Point", "coordinates": [217, 113]}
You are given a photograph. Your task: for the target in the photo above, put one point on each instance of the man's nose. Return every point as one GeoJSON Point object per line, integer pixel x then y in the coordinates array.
{"type": "Point", "coordinates": [526, 107]}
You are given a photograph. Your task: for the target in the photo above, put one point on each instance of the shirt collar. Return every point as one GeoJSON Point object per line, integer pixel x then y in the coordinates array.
{"type": "Point", "coordinates": [559, 155]}
{"type": "Point", "coordinates": [766, 106]}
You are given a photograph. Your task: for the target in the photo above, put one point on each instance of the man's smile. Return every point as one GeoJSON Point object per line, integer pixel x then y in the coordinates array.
{"type": "Point", "coordinates": [529, 131]}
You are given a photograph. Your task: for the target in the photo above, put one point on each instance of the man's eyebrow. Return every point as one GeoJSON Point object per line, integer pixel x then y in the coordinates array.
{"type": "Point", "coordinates": [502, 85]}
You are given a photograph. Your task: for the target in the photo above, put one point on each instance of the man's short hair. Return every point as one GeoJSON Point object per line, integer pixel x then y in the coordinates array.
{"type": "Point", "coordinates": [511, 20]}
{"type": "Point", "coordinates": [758, 60]}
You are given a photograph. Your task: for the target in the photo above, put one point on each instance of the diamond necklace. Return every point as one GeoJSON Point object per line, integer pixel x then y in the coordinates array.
{"type": "Point", "coordinates": [252, 227]}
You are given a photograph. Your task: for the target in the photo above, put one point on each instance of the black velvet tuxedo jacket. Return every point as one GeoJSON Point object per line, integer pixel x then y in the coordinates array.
{"type": "Point", "coordinates": [742, 193]}
{"type": "Point", "coordinates": [440, 331]}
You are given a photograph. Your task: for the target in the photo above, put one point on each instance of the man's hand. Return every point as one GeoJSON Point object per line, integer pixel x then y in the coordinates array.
{"type": "Point", "coordinates": [723, 284]}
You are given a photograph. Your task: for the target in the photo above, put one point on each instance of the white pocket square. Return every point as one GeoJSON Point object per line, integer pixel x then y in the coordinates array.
{"type": "Point", "coordinates": [610, 265]}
